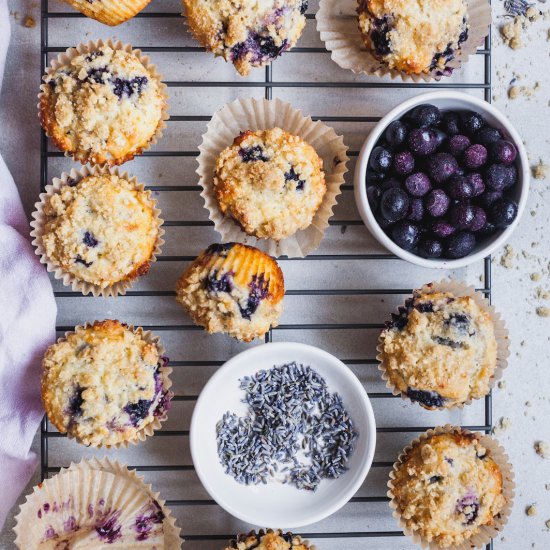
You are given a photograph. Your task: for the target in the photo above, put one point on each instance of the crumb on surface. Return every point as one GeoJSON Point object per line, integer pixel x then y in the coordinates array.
{"type": "Point", "coordinates": [542, 449]}
{"type": "Point", "coordinates": [502, 384]}
{"type": "Point", "coordinates": [547, 523]}
{"type": "Point", "coordinates": [540, 171]}
{"type": "Point", "coordinates": [531, 510]}
{"type": "Point", "coordinates": [512, 33]}
{"type": "Point", "coordinates": [543, 311]}
{"type": "Point", "coordinates": [29, 22]}
{"type": "Point", "coordinates": [502, 425]}
{"type": "Point", "coordinates": [507, 259]}
{"type": "Point", "coordinates": [535, 276]}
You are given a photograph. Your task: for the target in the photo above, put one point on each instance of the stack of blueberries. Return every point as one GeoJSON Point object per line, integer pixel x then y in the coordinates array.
{"type": "Point", "coordinates": [438, 182]}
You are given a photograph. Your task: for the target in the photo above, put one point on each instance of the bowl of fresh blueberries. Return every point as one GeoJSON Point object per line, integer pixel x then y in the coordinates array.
{"type": "Point", "coordinates": [442, 180]}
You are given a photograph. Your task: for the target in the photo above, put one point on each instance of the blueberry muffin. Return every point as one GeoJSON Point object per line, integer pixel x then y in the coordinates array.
{"type": "Point", "coordinates": [104, 384]}
{"type": "Point", "coordinates": [249, 33]}
{"type": "Point", "coordinates": [110, 12]}
{"type": "Point", "coordinates": [102, 106]}
{"type": "Point", "coordinates": [101, 230]}
{"type": "Point", "coordinates": [270, 540]}
{"type": "Point", "coordinates": [270, 182]}
{"type": "Point", "coordinates": [411, 35]}
{"type": "Point", "coordinates": [440, 350]}
{"type": "Point", "coordinates": [447, 487]}
{"type": "Point", "coordinates": [233, 288]}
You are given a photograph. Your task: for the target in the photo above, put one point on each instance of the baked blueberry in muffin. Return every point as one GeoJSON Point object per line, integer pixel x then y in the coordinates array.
{"type": "Point", "coordinates": [102, 106]}
{"type": "Point", "coordinates": [447, 487]}
{"type": "Point", "coordinates": [270, 540]}
{"type": "Point", "coordinates": [440, 350]}
{"type": "Point", "coordinates": [102, 229]}
{"type": "Point", "coordinates": [104, 383]}
{"type": "Point", "coordinates": [270, 182]}
{"type": "Point", "coordinates": [414, 36]}
{"type": "Point", "coordinates": [247, 33]}
{"type": "Point", "coordinates": [233, 288]}
{"type": "Point", "coordinates": [110, 12]}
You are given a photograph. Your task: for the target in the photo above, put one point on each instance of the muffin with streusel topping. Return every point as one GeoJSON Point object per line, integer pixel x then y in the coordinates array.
{"type": "Point", "coordinates": [247, 33]}
{"type": "Point", "coordinates": [270, 182]}
{"type": "Point", "coordinates": [102, 106]}
{"type": "Point", "coordinates": [412, 36]}
{"type": "Point", "coordinates": [105, 383]}
{"type": "Point", "coordinates": [110, 12]}
{"type": "Point", "coordinates": [440, 350]}
{"type": "Point", "coordinates": [448, 486]}
{"type": "Point", "coordinates": [102, 229]}
{"type": "Point", "coordinates": [270, 540]}
{"type": "Point", "coordinates": [233, 288]}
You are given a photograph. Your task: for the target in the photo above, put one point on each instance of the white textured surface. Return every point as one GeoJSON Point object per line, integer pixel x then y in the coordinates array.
{"type": "Point", "coordinates": [514, 293]}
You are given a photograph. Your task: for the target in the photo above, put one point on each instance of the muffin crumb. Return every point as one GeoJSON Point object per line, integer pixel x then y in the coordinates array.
{"type": "Point", "coordinates": [542, 449]}
{"type": "Point", "coordinates": [507, 259]}
{"type": "Point", "coordinates": [531, 510]}
{"type": "Point", "coordinates": [29, 22]}
{"type": "Point", "coordinates": [502, 425]}
{"type": "Point", "coordinates": [540, 170]}
{"type": "Point", "coordinates": [543, 311]}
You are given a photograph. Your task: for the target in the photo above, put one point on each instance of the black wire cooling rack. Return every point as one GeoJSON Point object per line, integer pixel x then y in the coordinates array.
{"type": "Point", "coordinates": [366, 521]}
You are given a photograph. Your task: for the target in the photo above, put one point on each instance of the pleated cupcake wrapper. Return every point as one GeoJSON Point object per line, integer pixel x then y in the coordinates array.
{"type": "Point", "coordinates": [458, 289]}
{"type": "Point", "coordinates": [85, 490]}
{"type": "Point", "coordinates": [486, 532]}
{"type": "Point", "coordinates": [66, 57]}
{"type": "Point", "coordinates": [165, 371]}
{"type": "Point", "coordinates": [262, 532]}
{"type": "Point", "coordinates": [338, 25]}
{"type": "Point", "coordinates": [262, 114]}
{"type": "Point", "coordinates": [112, 12]}
{"type": "Point", "coordinates": [40, 219]}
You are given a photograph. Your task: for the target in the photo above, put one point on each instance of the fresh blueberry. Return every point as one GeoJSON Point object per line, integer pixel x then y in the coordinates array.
{"type": "Point", "coordinates": [468, 507]}
{"type": "Point", "coordinates": [488, 135]}
{"type": "Point", "coordinates": [426, 116]}
{"type": "Point", "coordinates": [291, 175]}
{"type": "Point", "coordinates": [373, 194]}
{"type": "Point", "coordinates": [380, 159]}
{"type": "Point", "coordinates": [440, 136]}
{"type": "Point", "coordinates": [460, 244]}
{"type": "Point", "coordinates": [488, 198]}
{"type": "Point", "coordinates": [394, 204]}
{"type": "Point", "coordinates": [396, 133]}
{"type": "Point", "coordinates": [488, 229]}
{"type": "Point", "coordinates": [459, 187]}
{"type": "Point", "coordinates": [475, 156]}
{"type": "Point", "coordinates": [391, 183]}
{"type": "Point", "coordinates": [403, 163]}
{"type": "Point", "coordinates": [123, 87]}
{"type": "Point", "coordinates": [405, 234]}
{"type": "Point", "coordinates": [450, 123]}
{"type": "Point", "coordinates": [458, 144]}
{"type": "Point", "coordinates": [503, 212]}
{"type": "Point", "coordinates": [437, 203]}
{"type": "Point", "coordinates": [382, 222]}
{"type": "Point", "coordinates": [418, 184]}
{"type": "Point", "coordinates": [499, 176]}
{"type": "Point", "coordinates": [416, 210]}
{"type": "Point", "coordinates": [442, 229]}
{"type": "Point", "coordinates": [374, 177]}
{"type": "Point", "coordinates": [462, 215]}
{"type": "Point", "coordinates": [504, 152]}
{"type": "Point", "coordinates": [478, 185]}
{"type": "Point", "coordinates": [430, 248]}
{"type": "Point", "coordinates": [89, 240]}
{"type": "Point", "coordinates": [480, 218]}
{"type": "Point", "coordinates": [251, 154]}
{"type": "Point", "coordinates": [429, 399]}
{"type": "Point", "coordinates": [441, 167]}
{"type": "Point", "coordinates": [138, 411]}
{"type": "Point", "coordinates": [422, 141]}
{"type": "Point", "coordinates": [222, 284]}
{"type": "Point", "coordinates": [471, 122]}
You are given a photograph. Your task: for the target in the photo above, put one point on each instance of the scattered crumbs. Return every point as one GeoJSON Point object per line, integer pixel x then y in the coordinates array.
{"type": "Point", "coordinates": [528, 404]}
{"type": "Point", "coordinates": [29, 22]}
{"type": "Point", "coordinates": [548, 37]}
{"type": "Point", "coordinates": [516, 91]}
{"type": "Point", "coordinates": [543, 311]}
{"type": "Point", "coordinates": [547, 523]}
{"type": "Point", "coordinates": [531, 510]}
{"type": "Point", "coordinates": [542, 294]}
{"type": "Point", "coordinates": [547, 486]}
{"type": "Point", "coordinates": [540, 171]}
{"type": "Point", "coordinates": [502, 425]}
{"type": "Point", "coordinates": [512, 31]}
{"type": "Point", "coordinates": [502, 385]}
{"type": "Point", "coordinates": [533, 213]}
{"type": "Point", "coordinates": [507, 259]}
{"type": "Point", "coordinates": [542, 449]}
{"type": "Point", "coordinates": [535, 276]}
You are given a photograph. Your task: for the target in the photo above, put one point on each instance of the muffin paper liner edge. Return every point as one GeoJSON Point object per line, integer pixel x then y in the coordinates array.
{"type": "Point", "coordinates": [486, 532]}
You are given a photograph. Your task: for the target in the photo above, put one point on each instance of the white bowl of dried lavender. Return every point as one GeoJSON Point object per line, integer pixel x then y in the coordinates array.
{"type": "Point", "coordinates": [283, 435]}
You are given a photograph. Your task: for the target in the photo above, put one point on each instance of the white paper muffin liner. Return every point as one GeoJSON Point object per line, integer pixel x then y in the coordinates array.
{"type": "Point", "coordinates": [337, 22]}
{"type": "Point", "coordinates": [40, 219]}
{"type": "Point", "coordinates": [458, 289]}
{"type": "Point", "coordinates": [262, 114]}
{"type": "Point", "coordinates": [165, 371]}
{"type": "Point", "coordinates": [84, 490]}
{"type": "Point", "coordinates": [486, 532]}
{"type": "Point", "coordinates": [65, 58]}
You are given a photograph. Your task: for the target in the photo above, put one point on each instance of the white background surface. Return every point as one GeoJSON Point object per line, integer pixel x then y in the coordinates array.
{"type": "Point", "coordinates": [514, 293]}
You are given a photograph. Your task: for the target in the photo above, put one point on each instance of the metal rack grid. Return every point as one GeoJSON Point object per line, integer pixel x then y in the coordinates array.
{"type": "Point", "coordinates": [270, 86]}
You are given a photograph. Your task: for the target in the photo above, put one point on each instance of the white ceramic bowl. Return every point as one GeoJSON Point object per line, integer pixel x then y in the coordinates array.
{"type": "Point", "coordinates": [446, 100]}
{"type": "Point", "coordinates": [275, 504]}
